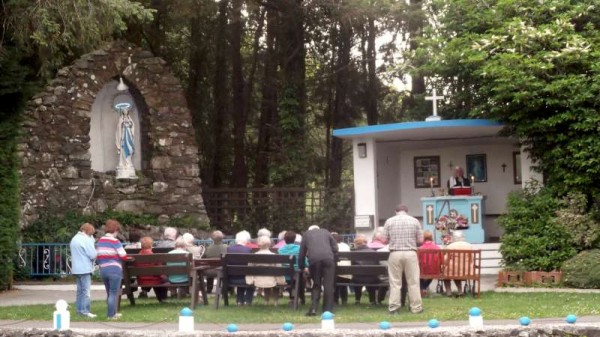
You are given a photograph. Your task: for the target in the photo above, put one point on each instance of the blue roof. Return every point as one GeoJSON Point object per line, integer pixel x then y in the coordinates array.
{"type": "Point", "coordinates": [384, 128]}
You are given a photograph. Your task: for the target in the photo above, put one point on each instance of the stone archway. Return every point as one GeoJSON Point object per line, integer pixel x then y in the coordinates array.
{"type": "Point", "coordinates": [56, 154]}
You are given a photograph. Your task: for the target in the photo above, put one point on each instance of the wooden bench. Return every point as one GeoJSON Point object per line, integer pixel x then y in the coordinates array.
{"type": "Point", "coordinates": [155, 250]}
{"type": "Point", "coordinates": [453, 264]}
{"type": "Point", "coordinates": [443, 264]}
{"type": "Point", "coordinates": [376, 268]}
{"type": "Point", "coordinates": [166, 264]}
{"type": "Point", "coordinates": [245, 265]}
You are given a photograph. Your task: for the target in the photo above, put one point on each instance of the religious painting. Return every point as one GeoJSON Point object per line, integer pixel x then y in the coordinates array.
{"type": "Point", "coordinates": [427, 172]}
{"type": "Point", "coordinates": [517, 167]}
{"type": "Point", "coordinates": [477, 167]}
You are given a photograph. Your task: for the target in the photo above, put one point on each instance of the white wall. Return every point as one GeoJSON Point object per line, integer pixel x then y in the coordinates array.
{"type": "Point", "coordinates": [365, 181]}
{"type": "Point", "coordinates": [388, 180]}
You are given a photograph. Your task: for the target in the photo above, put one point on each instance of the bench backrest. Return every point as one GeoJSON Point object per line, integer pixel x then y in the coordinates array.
{"type": "Point", "coordinates": [236, 264]}
{"type": "Point", "coordinates": [462, 264]}
{"type": "Point", "coordinates": [371, 263]}
{"type": "Point", "coordinates": [155, 250]}
{"type": "Point", "coordinates": [158, 264]}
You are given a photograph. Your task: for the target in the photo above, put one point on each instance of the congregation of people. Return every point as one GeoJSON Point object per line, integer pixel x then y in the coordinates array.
{"type": "Point", "coordinates": [316, 256]}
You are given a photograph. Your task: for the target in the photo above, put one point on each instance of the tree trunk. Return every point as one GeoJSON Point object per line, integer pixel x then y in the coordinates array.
{"type": "Point", "coordinates": [292, 163]}
{"type": "Point", "coordinates": [372, 82]}
{"type": "Point", "coordinates": [268, 110]}
{"type": "Point", "coordinates": [220, 93]}
{"type": "Point", "coordinates": [239, 178]}
{"type": "Point", "coordinates": [340, 110]}
{"type": "Point", "coordinates": [415, 29]}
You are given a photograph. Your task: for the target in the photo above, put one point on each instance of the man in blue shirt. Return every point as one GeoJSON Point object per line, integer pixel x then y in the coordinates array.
{"type": "Point", "coordinates": [83, 254]}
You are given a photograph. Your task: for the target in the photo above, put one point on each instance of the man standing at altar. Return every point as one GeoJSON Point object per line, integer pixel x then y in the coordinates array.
{"type": "Point", "coordinates": [404, 234]}
{"type": "Point", "coordinates": [458, 179]}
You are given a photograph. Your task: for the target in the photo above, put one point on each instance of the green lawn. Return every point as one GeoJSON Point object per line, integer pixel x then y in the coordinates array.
{"type": "Point", "coordinates": [493, 306]}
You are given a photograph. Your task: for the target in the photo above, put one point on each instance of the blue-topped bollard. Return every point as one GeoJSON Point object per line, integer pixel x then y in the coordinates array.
{"type": "Point", "coordinates": [524, 321]}
{"type": "Point", "coordinates": [385, 325]}
{"type": "Point", "coordinates": [186, 320]}
{"type": "Point", "coordinates": [327, 323]}
{"type": "Point", "coordinates": [433, 323]}
{"type": "Point", "coordinates": [232, 328]}
{"type": "Point", "coordinates": [571, 319]}
{"type": "Point", "coordinates": [62, 317]}
{"type": "Point", "coordinates": [287, 326]}
{"type": "Point", "coordinates": [475, 318]}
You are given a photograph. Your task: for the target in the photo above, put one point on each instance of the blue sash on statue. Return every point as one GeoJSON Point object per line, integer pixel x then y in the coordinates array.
{"type": "Point", "coordinates": [127, 143]}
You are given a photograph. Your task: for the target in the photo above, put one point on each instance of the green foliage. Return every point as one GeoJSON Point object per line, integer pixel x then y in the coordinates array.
{"type": "Point", "coordinates": [9, 198]}
{"type": "Point", "coordinates": [53, 32]}
{"type": "Point", "coordinates": [532, 65]}
{"type": "Point", "coordinates": [580, 222]}
{"type": "Point", "coordinates": [583, 270]}
{"type": "Point", "coordinates": [532, 240]}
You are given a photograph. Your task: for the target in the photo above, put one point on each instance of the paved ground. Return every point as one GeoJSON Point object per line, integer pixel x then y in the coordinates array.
{"type": "Point", "coordinates": [48, 293]}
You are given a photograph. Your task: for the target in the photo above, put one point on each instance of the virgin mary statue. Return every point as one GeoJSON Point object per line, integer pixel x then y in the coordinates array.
{"type": "Point", "coordinates": [124, 141]}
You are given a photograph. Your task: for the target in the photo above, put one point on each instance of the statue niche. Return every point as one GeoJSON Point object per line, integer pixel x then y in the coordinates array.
{"type": "Point", "coordinates": [115, 143]}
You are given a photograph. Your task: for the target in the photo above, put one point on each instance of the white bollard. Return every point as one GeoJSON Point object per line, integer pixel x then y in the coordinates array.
{"type": "Point", "coordinates": [186, 320]}
{"type": "Point", "coordinates": [62, 317]}
{"type": "Point", "coordinates": [327, 323]}
{"type": "Point", "coordinates": [475, 318]}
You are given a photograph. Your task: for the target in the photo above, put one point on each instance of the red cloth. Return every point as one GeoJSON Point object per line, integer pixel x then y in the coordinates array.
{"type": "Point", "coordinates": [149, 280]}
{"type": "Point", "coordinates": [429, 264]}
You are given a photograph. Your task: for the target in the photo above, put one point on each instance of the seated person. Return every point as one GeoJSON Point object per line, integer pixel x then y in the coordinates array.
{"type": "Point", "coordinates": [452, 266]}
{"type": "Point", "coordinates": [168, 238]}
{"type": "Point", "coordinates": [458, 180]}
{"type": "Point", "coordinates": [150, 280]}
{"type": "Point", "coordinates": [379, 240]}
{"type": "Point", "coordinates": [244, 295]}
{"type": "Point", "coordinates": [360, 245]}
{"type": "Point", "coordinates": [341, 292]}
{"type": "Point", "coordinates": [280, 241]}
{"type": "Point", "coordinates": [215, 250]}
{"type": "Point", "coordinates": [292, 248]}
{"type": "Point", "coordinates": [196, 251]}
{"type": "Point", "coordinates": [180, 248]}
{"type": "Point", "coordinates": [428, 265]}
{"type": "Point", "coordinates": [267, 283]}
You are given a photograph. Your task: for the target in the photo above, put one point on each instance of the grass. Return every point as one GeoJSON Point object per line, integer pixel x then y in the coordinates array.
{"type": "Point", "coordinates": [493, 306]}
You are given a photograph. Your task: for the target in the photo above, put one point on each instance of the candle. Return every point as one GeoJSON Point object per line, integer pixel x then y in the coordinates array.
{"type": "Point", "coordinates": [472, 179]}
{"type": "Point", "coordinates": [431, 182]}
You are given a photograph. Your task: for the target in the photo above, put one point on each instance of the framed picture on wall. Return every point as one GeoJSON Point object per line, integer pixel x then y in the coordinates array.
{"type": "Point", "coordinates": [477, 167]}
{"type": "Point", "coordinates": [427, 172]}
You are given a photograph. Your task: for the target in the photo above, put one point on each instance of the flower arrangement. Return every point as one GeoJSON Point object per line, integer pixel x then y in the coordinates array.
{"type": "Point", "coordinates": [446, 224]}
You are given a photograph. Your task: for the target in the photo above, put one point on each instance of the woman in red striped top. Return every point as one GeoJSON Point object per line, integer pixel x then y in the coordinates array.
{"type": "Point", "coordinates": [110, 254]}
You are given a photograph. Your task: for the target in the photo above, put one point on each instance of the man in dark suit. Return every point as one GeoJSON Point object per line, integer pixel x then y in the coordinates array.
{"type": "Point", "coordinates": [320, 248]}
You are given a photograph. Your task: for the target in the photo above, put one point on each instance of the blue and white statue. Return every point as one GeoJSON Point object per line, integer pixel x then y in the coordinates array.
{"type": "Point", "coordinates": [124, 141]}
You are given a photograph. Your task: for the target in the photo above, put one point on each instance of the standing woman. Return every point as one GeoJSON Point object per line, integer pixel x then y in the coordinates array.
{"type": "Point", "coordinates": [110, 254]}
{"type": "Point", "coordinates": [83, 254]}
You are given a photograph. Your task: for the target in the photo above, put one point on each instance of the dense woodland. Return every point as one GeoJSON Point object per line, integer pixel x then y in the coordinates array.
{"type": "Point", "coordinates": [268, 80]}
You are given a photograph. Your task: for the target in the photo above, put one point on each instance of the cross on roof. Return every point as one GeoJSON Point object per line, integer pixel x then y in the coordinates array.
{"type": "Point", "coordinates": [434, 98]}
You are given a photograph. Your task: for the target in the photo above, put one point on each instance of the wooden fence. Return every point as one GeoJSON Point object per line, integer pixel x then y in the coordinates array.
{"type": "Point", "coordinates": [279, 208]}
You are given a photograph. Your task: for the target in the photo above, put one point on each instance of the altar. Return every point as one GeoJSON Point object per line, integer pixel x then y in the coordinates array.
{"type": "Point", "coordinates": [460, 212]}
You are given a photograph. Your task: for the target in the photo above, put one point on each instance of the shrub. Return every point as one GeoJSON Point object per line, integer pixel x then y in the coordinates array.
{"type": "Point", "coordinates": [583, 270]}
{"type": "Point", "coordinates": [581, 222]}
{"type": "Point", "coordinates": [532, 240]}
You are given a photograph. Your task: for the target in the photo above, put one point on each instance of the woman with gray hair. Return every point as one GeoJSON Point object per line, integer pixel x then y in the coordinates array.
{"type": "Point", "coordinates": [168, 238]}
{"type": "Point", "coordinates": [215, 250]}
{"type": "Point", "coordinates": [244, 295]}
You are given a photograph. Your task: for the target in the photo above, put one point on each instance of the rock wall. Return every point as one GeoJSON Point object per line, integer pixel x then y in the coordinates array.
{"type": "Point", "coordinates": [56, 172]}
{"type": "Point", "coordinates": [514, 331]}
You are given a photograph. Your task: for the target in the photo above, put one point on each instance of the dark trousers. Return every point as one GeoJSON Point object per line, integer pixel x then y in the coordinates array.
{"type": "Point", "coordinates": [322, 274]}
{"type": "Point", "coordinates": [341, 292]}
{"type": "Point", "coordinates": [370, 290]}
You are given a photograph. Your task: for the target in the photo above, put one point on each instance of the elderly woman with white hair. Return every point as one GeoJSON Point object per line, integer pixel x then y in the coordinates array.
{"type": "Point", "coordinates": [267, 283]}
{"type": "Point", "coordinates": [168, 238]}
{"type": "Point", "coordinates": [451, 266]}
{"type": "Point", "coordinates": [191, 247]}
{"type": "Point", "coordinates": [244, 295]}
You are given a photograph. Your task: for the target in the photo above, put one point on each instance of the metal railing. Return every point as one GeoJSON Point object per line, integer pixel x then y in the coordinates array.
{"type": "Point", "coordinates": [54, 259]}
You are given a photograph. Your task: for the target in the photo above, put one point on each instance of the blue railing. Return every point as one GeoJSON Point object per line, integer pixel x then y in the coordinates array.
{"type": "Point", "coordinates": [54, 259]}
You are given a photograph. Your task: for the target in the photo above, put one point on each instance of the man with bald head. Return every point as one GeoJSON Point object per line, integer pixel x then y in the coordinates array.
{"type": "Point", "coordinates": [404, 234]}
